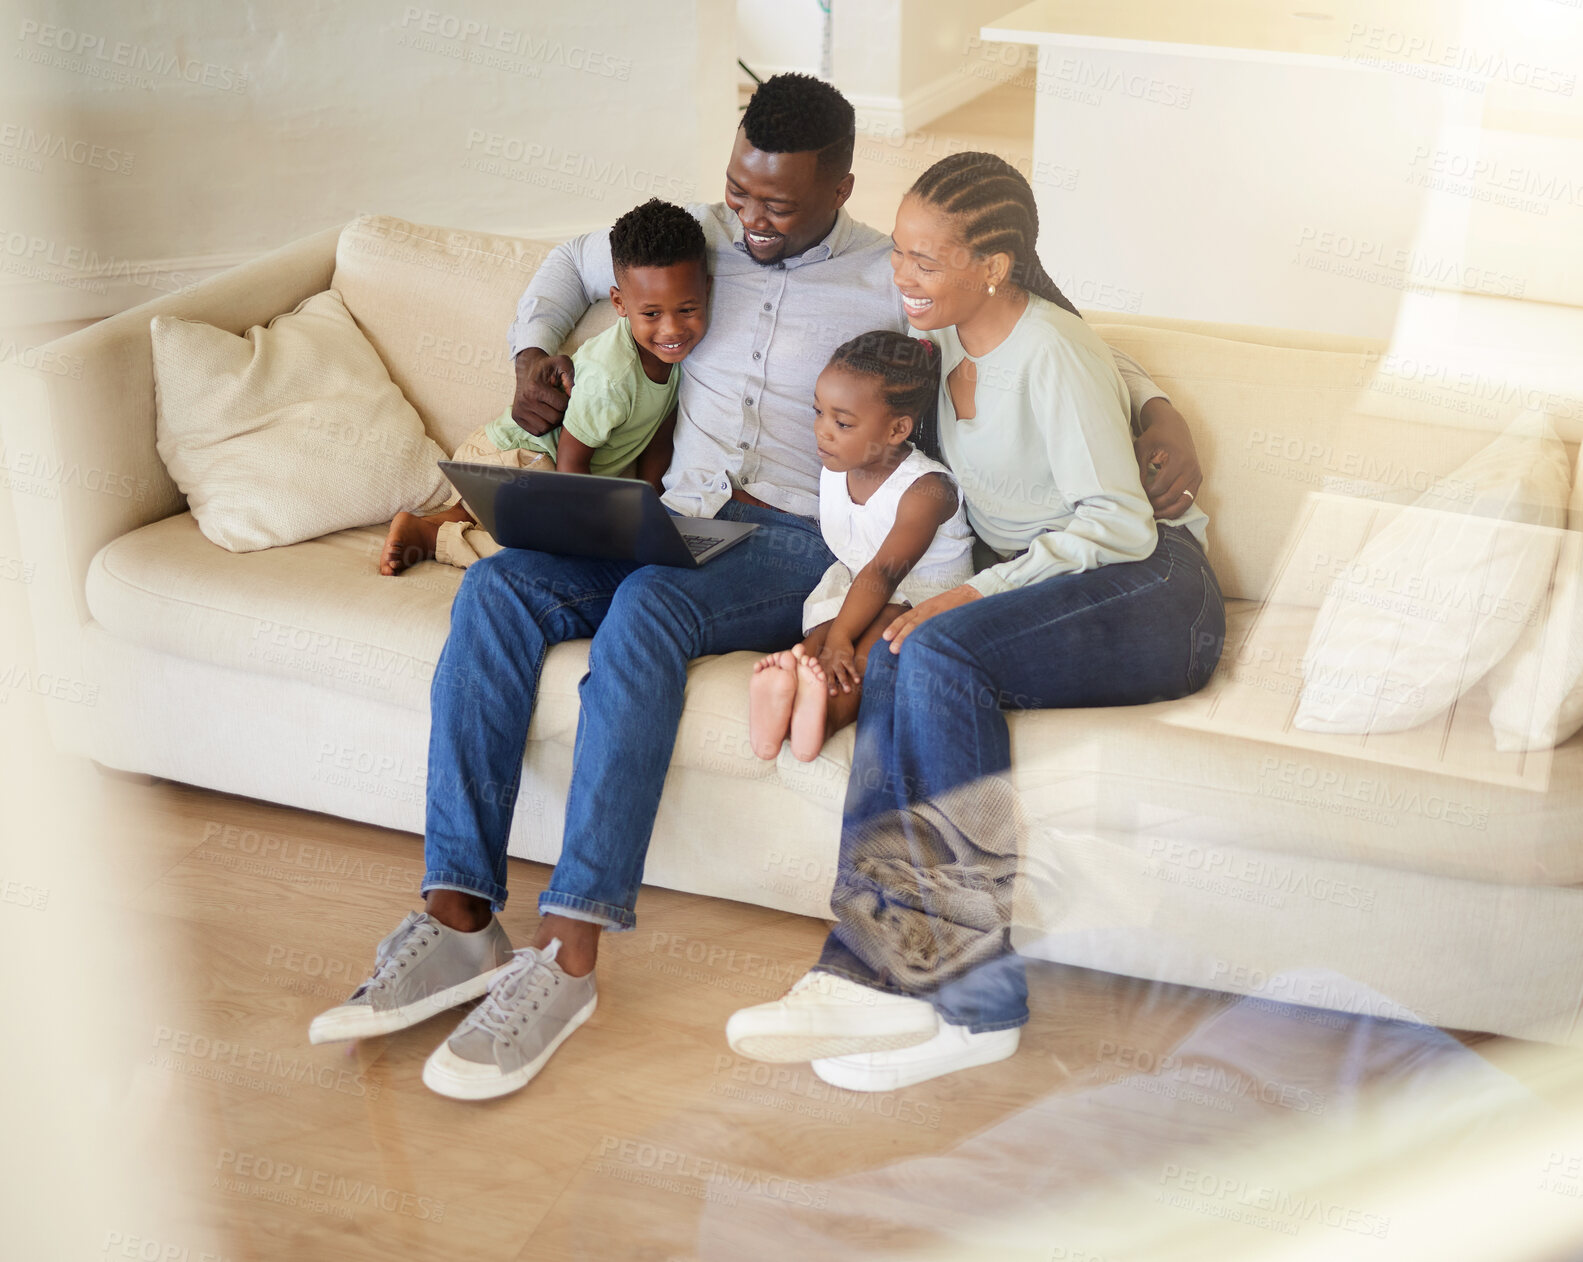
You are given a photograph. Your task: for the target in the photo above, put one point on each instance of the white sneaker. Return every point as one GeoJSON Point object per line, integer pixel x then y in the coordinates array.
{"type": "Point", "coordinates": [951, 1049]}
{"type": "Point", "coordinates": [827, 1015]}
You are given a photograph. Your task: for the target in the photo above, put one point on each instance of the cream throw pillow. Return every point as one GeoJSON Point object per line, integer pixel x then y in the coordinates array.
{"type": "Point", "coordinates": [1441, 593]}
{"type": "Point", "coordinates": [1536, 691]}
{"type": "Point", "coordinates": [289, 432]}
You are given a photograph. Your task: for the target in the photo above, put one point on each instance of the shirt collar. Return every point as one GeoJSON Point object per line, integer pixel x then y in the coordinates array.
{"type": "Point", "coordinates": [833, 243]}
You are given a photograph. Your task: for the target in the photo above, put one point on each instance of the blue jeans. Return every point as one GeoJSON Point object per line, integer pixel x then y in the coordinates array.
{"type": "Point", "coordinates": [930, 832]}
{"type": "Point", "coordinates": [647, 622]}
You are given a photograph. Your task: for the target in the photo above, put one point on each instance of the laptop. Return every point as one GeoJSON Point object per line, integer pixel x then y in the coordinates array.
{"type": "Point", "coordinates": [581, 515]}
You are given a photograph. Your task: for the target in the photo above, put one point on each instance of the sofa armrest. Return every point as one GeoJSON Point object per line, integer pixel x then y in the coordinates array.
{"type": "Point", "coordinates": [77, 423]}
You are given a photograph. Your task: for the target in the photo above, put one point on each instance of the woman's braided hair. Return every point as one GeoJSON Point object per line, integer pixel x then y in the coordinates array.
{"type": "Point", "coordinates": [993, 206]}
{"type": "Point", "coordinates": [907, 370]}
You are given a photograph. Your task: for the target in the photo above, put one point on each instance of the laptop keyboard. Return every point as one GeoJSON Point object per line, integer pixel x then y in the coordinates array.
{"type": "Point", "coordinates": [698, 544]}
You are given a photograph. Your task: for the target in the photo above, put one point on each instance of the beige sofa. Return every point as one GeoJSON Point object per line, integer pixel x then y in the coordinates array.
{"type": "Point", "coordinates": [1204, 842]}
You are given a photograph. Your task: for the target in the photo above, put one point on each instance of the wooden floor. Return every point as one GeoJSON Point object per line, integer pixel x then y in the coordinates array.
{"type": "Point", "coordinates": [645, 1136]}
{"type": "Point", "coordinates": [169, 945]}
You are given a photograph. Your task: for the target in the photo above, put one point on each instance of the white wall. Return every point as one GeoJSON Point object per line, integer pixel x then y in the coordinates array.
{"type": "Point", "coordinates": [777, 35]}
{"type": "Point", "coordinates": [902, 63]}
{"type": "Point", "coordinates": [138, 142]}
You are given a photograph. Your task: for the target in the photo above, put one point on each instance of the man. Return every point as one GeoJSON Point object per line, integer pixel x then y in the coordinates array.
{"type": "Point", "coordinates": [794, 277]}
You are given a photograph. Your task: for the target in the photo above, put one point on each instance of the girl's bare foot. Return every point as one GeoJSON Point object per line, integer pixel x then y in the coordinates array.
{"type": "Point", "coordinates": [808, 710]}
{"type": "Point", "coordinates": [411, 539]}
{"type": "Point", "coordinates": [770, 696]}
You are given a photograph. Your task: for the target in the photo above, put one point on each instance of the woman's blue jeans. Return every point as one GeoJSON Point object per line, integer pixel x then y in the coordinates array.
{"type": "Point", "coordinates": [930, 834]}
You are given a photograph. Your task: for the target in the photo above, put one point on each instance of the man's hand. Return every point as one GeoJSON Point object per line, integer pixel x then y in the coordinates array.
{"type": "Point", "coordinates": [910, 620]}
{"type": "Point", "coordinates": [1168, 443]}
{"type": "Point", "coordinates": [543, 384]}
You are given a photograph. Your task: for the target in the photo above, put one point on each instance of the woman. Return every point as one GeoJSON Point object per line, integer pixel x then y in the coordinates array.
{"type": "Point", "coordinates": [1091, 602]}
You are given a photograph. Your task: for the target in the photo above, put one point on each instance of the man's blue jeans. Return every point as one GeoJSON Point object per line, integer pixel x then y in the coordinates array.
{"type": "Point", "coordinates": [929, 834]}
{"type": "Point", "coordinates": [646, 622]}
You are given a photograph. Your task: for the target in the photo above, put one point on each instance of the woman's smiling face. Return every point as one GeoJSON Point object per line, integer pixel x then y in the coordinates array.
{"type": "Point", "coordinates": [941, 281]}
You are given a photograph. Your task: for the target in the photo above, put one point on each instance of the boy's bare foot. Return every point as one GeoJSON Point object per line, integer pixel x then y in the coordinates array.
{"type": "Point", "coordinates": [411, 539]}
{"type": "Point", "coordinates": [808, 710]}
{"type": "Point", "coordinates": [770, 696]}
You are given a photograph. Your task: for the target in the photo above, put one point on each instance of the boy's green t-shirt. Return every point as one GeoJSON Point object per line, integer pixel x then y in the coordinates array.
{"type": "Point", "coordinates": [614, 407]}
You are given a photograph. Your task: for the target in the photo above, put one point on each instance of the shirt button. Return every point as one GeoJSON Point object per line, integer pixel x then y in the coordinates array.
{"type": "Point", "coordinates": [768, 307]}
{"type": "Point", "coordinates": [756, 355]}
{"type": "Point", "coordinates": [748, 400]}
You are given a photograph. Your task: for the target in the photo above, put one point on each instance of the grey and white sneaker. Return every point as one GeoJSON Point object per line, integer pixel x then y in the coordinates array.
{"type": "Point", "coordinates": [420, 969]}
{"type": "Point", "coordinates": [531, 1009]}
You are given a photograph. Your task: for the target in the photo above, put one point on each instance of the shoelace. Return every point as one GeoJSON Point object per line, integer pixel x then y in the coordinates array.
{"type": "Point", "coordinates": [395, 951]}
{"type": "Point", "coordinates": [525, 978]}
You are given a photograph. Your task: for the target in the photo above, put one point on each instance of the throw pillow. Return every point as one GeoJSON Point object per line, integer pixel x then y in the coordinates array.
{"type": "Point", "coordinates": [1536, 690]}
{"type": "Point", "coordinates": [1441, 593]}
{"type": "Point", "coordinates": [289, 431]}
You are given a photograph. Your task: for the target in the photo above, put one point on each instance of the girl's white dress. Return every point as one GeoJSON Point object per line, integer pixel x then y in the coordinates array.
{"type": "Point", "coordinates": [854, 532]}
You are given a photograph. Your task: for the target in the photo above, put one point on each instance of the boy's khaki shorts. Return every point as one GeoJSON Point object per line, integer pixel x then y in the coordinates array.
{"type": "Point", "coordinates": [463, 542]}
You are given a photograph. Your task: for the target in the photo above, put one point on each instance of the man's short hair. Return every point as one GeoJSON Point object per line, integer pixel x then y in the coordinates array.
{"type": "Point", "coordinates": [656, 234]}
{"type": "Point", "coordinates": [796, 113]}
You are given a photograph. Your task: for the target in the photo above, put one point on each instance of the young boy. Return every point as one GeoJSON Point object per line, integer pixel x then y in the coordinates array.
{"type": "Point", "coordinates": [623, 406]}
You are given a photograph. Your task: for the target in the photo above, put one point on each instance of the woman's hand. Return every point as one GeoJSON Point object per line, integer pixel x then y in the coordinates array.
{"type": "Point", "coordinates": [838, 657]}
{"type": "Point", "coordinates": [1167, 444]}
{"type": "Point", "coordinates": [906, 623]}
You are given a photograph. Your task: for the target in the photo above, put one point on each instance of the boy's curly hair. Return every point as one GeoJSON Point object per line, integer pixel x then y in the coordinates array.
{"type": "Point", "coordinates": [796, 113]}
{"type": "Point", "coordinates": [656, 234]}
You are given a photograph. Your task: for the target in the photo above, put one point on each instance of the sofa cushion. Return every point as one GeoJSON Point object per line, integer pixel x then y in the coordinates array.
{"type": "Point", "coordinates": [436, 304]}
{"type": "Point", "coordinates": [319, 612]}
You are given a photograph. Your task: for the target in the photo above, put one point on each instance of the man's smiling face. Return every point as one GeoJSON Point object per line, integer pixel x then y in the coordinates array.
{"type": "Point", "coordinates": [784, 201]}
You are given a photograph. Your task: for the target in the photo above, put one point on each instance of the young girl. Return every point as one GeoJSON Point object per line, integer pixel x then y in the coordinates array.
{"type": "Point", "coordinates": [893, 518]}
